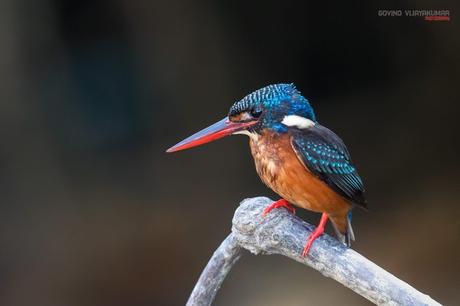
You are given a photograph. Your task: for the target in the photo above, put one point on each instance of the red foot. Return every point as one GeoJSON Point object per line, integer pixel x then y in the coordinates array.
{"type": "Point", "coordinates": [277, 204]}
{"type": "Point", "coordinates": [315, 234]}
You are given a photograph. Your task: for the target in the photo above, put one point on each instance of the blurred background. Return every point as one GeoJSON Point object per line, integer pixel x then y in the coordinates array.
{"type": "Point", "coordinates": [93, 212]}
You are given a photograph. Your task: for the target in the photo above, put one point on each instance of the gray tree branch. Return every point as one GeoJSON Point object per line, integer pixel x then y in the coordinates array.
{"type": "Point", "coordinates": [282, 233]}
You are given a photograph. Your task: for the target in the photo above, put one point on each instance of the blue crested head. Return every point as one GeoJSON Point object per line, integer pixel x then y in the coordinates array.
{"type": "Point", "coordinates": [276, 108]}
{"type": "Point", "coordinates": [270, 105]}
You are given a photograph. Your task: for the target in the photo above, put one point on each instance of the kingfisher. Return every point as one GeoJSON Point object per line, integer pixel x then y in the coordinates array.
{"type": "Point", "coordinates": [302, 161]}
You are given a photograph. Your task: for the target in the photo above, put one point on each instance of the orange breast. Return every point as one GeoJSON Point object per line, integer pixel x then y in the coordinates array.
{"type": "Point", "coordinates": [280, 169]}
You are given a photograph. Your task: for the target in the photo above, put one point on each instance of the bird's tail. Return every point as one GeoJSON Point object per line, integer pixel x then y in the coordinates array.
{"type": "Point", "coordinates": [345, 235]}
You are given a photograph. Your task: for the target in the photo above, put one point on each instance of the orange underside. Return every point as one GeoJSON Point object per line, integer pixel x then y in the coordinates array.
{"type": "Point", "coordinates": [280, 169]}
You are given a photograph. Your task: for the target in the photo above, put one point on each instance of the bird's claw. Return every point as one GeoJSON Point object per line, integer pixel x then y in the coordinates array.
{"type": "Point", "coordinates": [315, 234]}
{"type": "Point", "coordinates": [277, 204]}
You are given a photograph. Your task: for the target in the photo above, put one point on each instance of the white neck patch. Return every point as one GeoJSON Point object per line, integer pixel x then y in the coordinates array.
{"type": "Point", "coordinates": [298, 121]}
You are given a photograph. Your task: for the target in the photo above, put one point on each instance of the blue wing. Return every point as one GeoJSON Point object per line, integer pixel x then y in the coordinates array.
{"type": "Point", "coordinates": [325, 155]}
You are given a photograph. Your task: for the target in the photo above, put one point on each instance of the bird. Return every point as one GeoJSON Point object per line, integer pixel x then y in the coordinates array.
{"type": "Point", "coordinates": [302, 161]}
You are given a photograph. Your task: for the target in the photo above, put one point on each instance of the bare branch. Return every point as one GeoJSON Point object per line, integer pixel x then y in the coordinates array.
{"type": "Point", "coordinates": [221, 262]}
{"type": "Point", "coordinates": [283, 233]}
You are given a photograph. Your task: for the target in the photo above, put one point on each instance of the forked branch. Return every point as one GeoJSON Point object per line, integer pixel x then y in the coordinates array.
{"type": "Point", "coordinates": [283, 233]}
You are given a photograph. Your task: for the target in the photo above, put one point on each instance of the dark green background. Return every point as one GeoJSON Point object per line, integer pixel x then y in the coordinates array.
{"type": "Point", "coordinates": [93, 212]}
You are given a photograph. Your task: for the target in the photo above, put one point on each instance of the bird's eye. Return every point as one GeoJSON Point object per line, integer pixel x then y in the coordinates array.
{"type": "Point", "coordinates": [256, 113]}
{"type": "Point", "coordinates": [246, 116]}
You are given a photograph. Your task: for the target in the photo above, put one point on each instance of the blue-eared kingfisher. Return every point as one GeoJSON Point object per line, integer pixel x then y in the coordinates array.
{"type": "Point", "coordinates": [304, 162]}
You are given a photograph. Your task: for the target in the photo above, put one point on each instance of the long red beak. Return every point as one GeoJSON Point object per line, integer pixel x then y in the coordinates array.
{"type": "Point", "coordinates": [216, 131]}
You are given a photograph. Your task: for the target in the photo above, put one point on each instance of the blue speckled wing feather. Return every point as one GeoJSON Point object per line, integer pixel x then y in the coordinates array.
{"type": "Point", "coordinates": [325, 154]}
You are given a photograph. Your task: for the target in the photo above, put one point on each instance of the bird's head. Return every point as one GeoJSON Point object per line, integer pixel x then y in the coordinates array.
{"type": "Point", "coordinates": [275, 108]}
